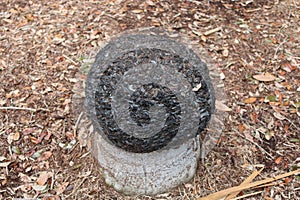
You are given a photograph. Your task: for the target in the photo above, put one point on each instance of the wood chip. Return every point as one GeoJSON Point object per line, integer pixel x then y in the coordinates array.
{"type": "Point", "coordinates": [209, 32]}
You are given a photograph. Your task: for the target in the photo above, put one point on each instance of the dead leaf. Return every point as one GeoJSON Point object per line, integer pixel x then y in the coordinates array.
{"type": "Point", "coordinates": [288, 180]}
{"type": "Point", "coordinates": [279, 95]}
{"type": "Point", "coordinates": [13, 137]}
{"type": "Point", "coordinates": [10, 138]}
{"type": "Point", "coordinates": [269, 134]}
{"type": "Point", "coordinates": [270, 98]}
{"type": "Point", "coordinates": [278, 160]}
{"type": "Point", "coordinates": [3, 182]}
{"type": "Point", "coordinates": [242, 128]}
{"type": "Point", "coordinates": [16, 136]}
{"type": "Point", "coordinates": [137, 11]}
{"type": "Point", "coordinates": [70, 135]}
{"type": "Point", "coordinates": [222, 107]}
{"type": "Point", "coordinates": [274, 104]}
{"type": "Point", "coordinates": [16, 150]}
{"type": "Point", "coordinates": [29, 17]}
{"type": "Point", "coordinates": [279, 116]}
{"type": "Point", "coordinates": [45, 156]}
{"type": "Point", "coordinates": [254, 117]}
{"type": "Point", "coordinates": [39, 188]}
{"type": "Point", "coordinates": [34, 140]}
{"type": "Point", "coordinates": [264, 77]}
{"type": "Point", "coordinates": [287, 66]}
{"type": "Point", "coordinates": [43, 178]}
{"type": "Point", "coordinates": [250, 100]}
{"type": "Point", "coordinates": [287, 85]}
{"type": "Point", "coordinates": [286, 103]}
{"type": "Point", "coordinates": [61, 188]}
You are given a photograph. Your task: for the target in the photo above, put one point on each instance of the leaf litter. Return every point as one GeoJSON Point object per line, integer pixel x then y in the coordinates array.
{"type": "Point", "coordinates": [43, 44]}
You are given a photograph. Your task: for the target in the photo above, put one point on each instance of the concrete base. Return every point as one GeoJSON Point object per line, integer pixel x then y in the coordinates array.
{"type": "Point", "coordinates": [146, 173]}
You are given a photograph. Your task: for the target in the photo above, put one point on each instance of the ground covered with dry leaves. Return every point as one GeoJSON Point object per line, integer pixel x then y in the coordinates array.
{"type": "Point", "coordinates": [254, 43]}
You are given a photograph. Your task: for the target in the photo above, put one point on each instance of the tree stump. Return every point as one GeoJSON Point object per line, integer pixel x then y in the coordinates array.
{"type": "Point", "coordinates": [150, 99]}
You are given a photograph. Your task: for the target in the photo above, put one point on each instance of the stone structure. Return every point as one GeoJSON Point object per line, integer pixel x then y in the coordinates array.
{"type": "Point", "coordinates": [149, 99]}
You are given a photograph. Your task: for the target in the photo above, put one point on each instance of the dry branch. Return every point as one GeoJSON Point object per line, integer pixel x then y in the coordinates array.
{"type": "Point", "coordinates": [246, 181]}
{"type": "Point", "coordinates": [23, 108]}
{"type": "Point", "coordinates": [224, 193]}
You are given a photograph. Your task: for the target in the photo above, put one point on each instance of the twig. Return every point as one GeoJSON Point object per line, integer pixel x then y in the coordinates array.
{"type": "Point", "coordinates": [77, 187]}
{"type": "Point", "coordinates": [68, 58]}
{"type": "Point", "coordinates": [4, 131]}
{"type": "Point", "coordinates": [212, 31]}
{"type": "Point", "coordinates": [23, 108]}
{"type": "Point", "coordinates": [252, 10]}
{"type": "Point", "coordinates": [247, 195]}
{"type": "Point", "coordinates": [262, 149]}
{"type": "Point", "coordinates": [295, 4]}
{"type": "Point", "coordinates": [52, 182]}
{"type": "Point", "coordinates": [17, 108]}
{"type": "Point", "coordinates": [77, 123]}
{"type": "Point", "coordinates": [278, 47]}
{"type": "Point", "coordinates": [264, 185]}
{"type": "Point", "coordinates": [287, 119]}
{"type": "Point", "coordinates": [225, 192]}
{"type": "Point", "coordinates": [245, 182]}
{"type": "Point", "coordinates": [229, 64]}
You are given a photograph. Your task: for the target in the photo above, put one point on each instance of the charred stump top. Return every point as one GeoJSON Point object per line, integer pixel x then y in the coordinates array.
{"type": "Point", "coordinates": [147, 93]}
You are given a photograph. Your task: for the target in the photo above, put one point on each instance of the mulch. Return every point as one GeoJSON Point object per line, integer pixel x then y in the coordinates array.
{"type": "Point", "coordinates": [44, 44]}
